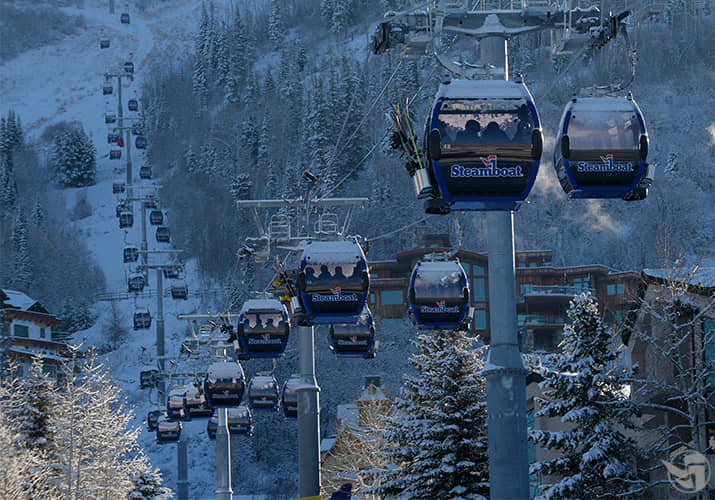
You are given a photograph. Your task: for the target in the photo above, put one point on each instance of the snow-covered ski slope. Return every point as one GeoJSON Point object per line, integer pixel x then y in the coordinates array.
{"type": "Point", "coordinates": [62, 83]}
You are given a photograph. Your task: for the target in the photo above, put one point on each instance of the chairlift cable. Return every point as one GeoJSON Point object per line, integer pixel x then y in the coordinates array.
{"type": "Point", "coordinates": [385, 235]}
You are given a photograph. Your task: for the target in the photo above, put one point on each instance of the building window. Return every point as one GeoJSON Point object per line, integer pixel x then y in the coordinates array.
{"type": "Point", "coordinates": [478, 290]}
{"type": "Point", "coordinates": [50, 370]}
{"type": "Point", "coordinates": [477, 270]}
{"type": "Point", "coordinates": [480, 319]}
{"type": "Point", "coordinates": [610, 289]}
{"type": "Point", "coordinates": [581, 283]}
{"type": "Point", "coordinates": [525, 288]}
{"type": "Point", "coordinates": [21, 331]}
{"type": "Point", "coordinates": [373, 276]}
{"type": "Point", "coordinates": [391, 297]}
{"type": "Point", "coordinates": [619, 317]}
{"type": "Point", "coordinates": [42, 333]}
{"type": "Point", "coordinates": [621, 288]}
{"type": "Point", "coordinates": [533, 264]}
{"type": "Point", "coordinates": [372, 297]}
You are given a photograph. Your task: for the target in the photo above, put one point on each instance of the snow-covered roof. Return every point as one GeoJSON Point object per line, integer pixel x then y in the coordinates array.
{"type": "Point", "coordinates": [347, 415]}
{"type": "Point", "coordinates": [374, 394]}
{"type": "Point", "coordinates": [17, 300]}
{"type": "Point", "coordinates": [601, 104]}
{"type": "Point", "coordinates": [329, 252]}
{"type": "Point", "coordinates": [483, 89]}
{"type": "Point", "coordinates": [262, 305]}
{"type": "Point", "coordinates": [327, 443]}
{"type": "Point", "coordinates": [703, 276]}
{"type": "Point", "coordinates": [225, 370]}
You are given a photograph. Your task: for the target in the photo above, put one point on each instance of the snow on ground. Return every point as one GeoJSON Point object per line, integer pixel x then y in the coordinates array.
{"type": "Point", "coordinates": [62, 83]}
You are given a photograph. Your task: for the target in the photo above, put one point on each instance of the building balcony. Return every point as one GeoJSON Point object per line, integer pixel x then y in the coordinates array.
{"type": "Point", "coordinates": [550, 295]}
{"type": "Point", "coordinates": [541, 320]}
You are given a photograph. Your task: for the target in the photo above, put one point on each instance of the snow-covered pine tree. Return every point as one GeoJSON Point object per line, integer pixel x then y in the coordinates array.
{"type": "Point", "coordinates": [584, 388]}
{"type": "Point", "coordinates": [148, 486]}
{"type": "Point", "coordinates": [37, 216]}
{"type": "Point", "coordinates": [200, 84]}
{"type": "Point", "coordinates": [276, 24]}
{"type": "Point", "coordinates": [75, 158]}
{"type": "Point", "coordinates": [8, 186]}
{"type": "Point", "coordinates": [20, 465]}
{"type": "Point", "coordinates": [29, 409]}
{"type": "Point", "coordinates": [341, 16]}
{"type": "Point", "coordinates": [437, 438]}
{"type": "Point", "coordinates": [22, 266]}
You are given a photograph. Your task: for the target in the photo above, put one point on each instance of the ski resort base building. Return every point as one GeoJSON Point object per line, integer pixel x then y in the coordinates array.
{"type": "Point", "coordinates": [27, 331]}
{"type": "Point", "coordinates": [543, 290]}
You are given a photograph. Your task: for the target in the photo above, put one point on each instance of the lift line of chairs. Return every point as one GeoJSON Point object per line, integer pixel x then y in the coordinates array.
{"type": "Point", "coordinates": [483, 146]}
{"type": "Point", "coordinates": [223, 387]}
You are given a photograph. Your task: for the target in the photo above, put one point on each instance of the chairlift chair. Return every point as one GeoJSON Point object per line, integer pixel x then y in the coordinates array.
{"type": "Point", "coordinates": [162, 234]}
{"type": "Point", "coordinates": [438, 295]}
{"type": "Point", "coordinates": [240, 420]}
{"type": "Point", "coordinates": [172, 272]}
{"type": "Point", "coordinates": [289, 397]}
{"type": "Point", "coordinates": [196, 404]}
{"type": "Point", "coordinates": [263, 393]}
{"type": "Point", "coordinates": [126, 219]}
{"type": "Point", "coordinates": [224, 384]}
{"type": "Point", "coordinates": [263, 328]}
{"type": "Point", "coordinates": [121, 207]}
{"type": "Point", "coordinates": [131, 254]}
{"type": "Point", "coordinates": [156, 217]}
{"type": "Point", "coordinates": [142, 319]}
{"type": "Point", "coordinates": [179, 290]}
{"type": "Point", "coordinates": [167, 431]}
{"type": "Point", "coordinates": [333, 281]}
{"type": "Point", "coordinates": [135, 282]}
{"type": "Point", "coordinates": [152, 419]}
{"type": "Point", "coordinates": [354, 339]}
{"type": "Point", "coordinates": [147, 378]}
{"type": "Point", "coordinates": [602, 148]}
{"type": "Point", "coordinates": [483, 142]}
{"type": "Point", "coordinates": [175, 409]}
{"type": "Point", "coordinates": [150, 202]}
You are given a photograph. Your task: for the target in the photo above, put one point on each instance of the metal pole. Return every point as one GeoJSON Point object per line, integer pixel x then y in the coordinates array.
{"type": "Point", "coordinates": [145, 247]}
{"type": "Point", "coordinates": [505, 373]}
{"type": "Point", "coordinates": [111, 6]}
{"type": "Point", "coordinates": [223, 458]}
{"type": "Point", "coordinates": [308, 417]}
{"type": "Point", "coordinates": [182, 482]}
{"type": "Point", "coordinates": [160, 327]}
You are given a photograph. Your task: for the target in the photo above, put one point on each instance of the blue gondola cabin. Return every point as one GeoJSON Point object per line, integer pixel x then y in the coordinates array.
{"type": "Point", "coordinates": [483, 142]}
{"type": "Point", "coordinates": [333, 281]}
{"type": "Point", "coordinates": [439, 296]}
{"type": "Point", "coordinates": [263, 328]}
{"type": "Point", "coordinates": [602, 148]}
{"type": "Point", "coordinates": [354, 339]}
{"type": "Point", "coordinates": [224, 384]}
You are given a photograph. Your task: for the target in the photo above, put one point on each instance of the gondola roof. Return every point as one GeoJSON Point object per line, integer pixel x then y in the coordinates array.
{"type": "Point", "coordinates": [259, 305]}
{"type": "Point", "coordinates": [333, 252]}
{"type": "Point", "coordinates": [488, 89]}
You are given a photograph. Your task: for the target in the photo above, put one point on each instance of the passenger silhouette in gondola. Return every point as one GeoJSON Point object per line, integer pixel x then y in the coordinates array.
{"type": "Point", "coordinates": [309, 275]}
{"type": "Point", "coordinates": [259, 323]}
{"type": "Point", "coordinates": [324, 273]}
{"type": "Point", "coordinates": [269, 324]}
{"type": "Point", "coordinates": [493, 133]}
{"type": "Point", "coordinates": [523, 127]}
{"type": "Point", "coordinates": [339, 273]}
{"type": "Point", "coordinates": [470, 134]}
